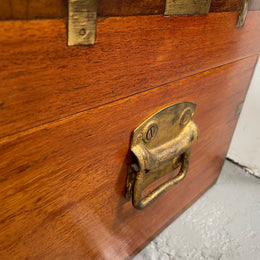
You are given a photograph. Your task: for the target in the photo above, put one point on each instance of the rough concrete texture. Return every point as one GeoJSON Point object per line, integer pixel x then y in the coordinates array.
{"type": "Point", "coordinates": [223, 224]}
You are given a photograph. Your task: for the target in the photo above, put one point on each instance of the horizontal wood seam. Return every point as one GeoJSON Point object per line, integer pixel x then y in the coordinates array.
{"type": "Point", "coordinates": [105, 17]}
{"type": "Point", "coordinates": [11, 137]}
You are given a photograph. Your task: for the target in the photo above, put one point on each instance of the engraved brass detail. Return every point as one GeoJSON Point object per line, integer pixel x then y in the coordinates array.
{"type": "Point", "coordinates": [242, 14]}
{"type": "Point", "coordinates": [82, 22]}
{"type": "Point", "coordinates": [186, 7]}
{"type": "Point", "coordinates": [159, 145]}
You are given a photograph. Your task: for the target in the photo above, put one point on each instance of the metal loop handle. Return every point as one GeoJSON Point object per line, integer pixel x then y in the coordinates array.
{"type": "Point", "coordinates": [140, 203]}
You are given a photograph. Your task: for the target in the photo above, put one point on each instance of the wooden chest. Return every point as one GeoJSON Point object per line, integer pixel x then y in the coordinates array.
{"type": "Point", "coordinates": [68, 112]}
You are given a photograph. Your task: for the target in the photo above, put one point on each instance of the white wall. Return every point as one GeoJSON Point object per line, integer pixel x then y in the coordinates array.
{"type": "Point", "coordinates": [245, 145]}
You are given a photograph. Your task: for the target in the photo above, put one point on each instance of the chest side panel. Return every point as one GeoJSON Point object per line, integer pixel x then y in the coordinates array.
{"type": "Point", "coordinates": [62, 184]}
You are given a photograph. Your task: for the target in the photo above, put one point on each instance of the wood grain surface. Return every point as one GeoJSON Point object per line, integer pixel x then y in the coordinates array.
{"type": "Point", "coordinates": [35, 9]}
{"type": "Point", "coordinates": [62, 184]}
{"type": "Point", "coordinates": [42, 80]}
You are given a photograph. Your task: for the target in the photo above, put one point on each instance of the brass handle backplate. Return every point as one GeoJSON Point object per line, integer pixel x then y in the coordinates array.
{"type": "Point", "coordinates": [159, 145]}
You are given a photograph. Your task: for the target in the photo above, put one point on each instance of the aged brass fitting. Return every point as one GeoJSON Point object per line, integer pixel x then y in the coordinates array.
{"type": "Point", "coordinates": [242, 13]}
{"type": "Point", "coordinates": [159, 145]}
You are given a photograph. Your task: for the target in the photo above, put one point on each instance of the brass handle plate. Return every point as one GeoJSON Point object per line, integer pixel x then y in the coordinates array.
{"type": "Point", "coordinates": [159, 145]}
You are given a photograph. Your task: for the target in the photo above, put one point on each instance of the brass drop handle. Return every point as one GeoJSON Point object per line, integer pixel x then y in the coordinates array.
{"type": "Point", "coordinates": [160, 145]}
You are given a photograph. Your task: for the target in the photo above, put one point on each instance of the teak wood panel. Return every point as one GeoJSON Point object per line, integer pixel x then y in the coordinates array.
{"type": "Point", "coordinates": [62, 184]}
{"type": "Point", "coordinates": [31, 9]}
{"type": "Point", "coordinates": [43, 80]}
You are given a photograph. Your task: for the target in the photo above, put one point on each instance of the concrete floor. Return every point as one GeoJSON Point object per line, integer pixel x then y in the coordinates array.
{"type": "Point", "coordinates": [223, 224]}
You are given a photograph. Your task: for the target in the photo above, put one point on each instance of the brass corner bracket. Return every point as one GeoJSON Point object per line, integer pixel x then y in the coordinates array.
{"type": "Point", "coordinates": [186, 7]}
{"type": "Point", "coordinates": [82, 22]}
{"type": "Point", "coordinates": [242, 14]}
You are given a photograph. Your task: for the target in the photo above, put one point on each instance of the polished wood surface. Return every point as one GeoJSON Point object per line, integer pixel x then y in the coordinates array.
{"type": "Point", "coordinates": [34, 9]}
{"type": "Point", "coordinates": [43, 80]}
{"type": "Point", "coordinates": [62, 184]}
